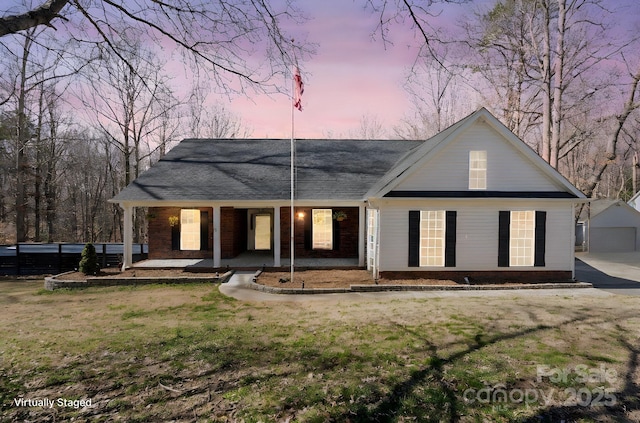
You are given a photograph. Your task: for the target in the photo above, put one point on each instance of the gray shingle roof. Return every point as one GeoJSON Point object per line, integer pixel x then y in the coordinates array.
{"type": "Point", "coordinates": [232, 169]}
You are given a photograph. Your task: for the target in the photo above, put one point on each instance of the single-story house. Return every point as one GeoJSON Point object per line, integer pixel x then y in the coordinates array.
{"type": "Point", "coordinates": [612, 226]}
{"type": "Point", "coordinates": [472, 201]}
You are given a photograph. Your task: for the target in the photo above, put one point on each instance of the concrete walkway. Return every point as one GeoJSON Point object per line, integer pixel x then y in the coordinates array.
{"type": "Point", "coordinates": [617, 273]}
{"type": "Point", "coordinates": [237, 288]}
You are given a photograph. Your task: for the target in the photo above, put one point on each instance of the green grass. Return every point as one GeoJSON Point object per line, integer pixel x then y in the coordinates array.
{"type": "Point", "coordinates": [163, 352]}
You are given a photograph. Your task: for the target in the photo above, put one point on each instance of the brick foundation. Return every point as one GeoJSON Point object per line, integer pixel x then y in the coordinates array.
{"type": "Point", "coordinates": [485, 277]}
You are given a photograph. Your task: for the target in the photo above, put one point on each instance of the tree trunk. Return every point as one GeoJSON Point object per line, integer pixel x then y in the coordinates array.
{"type": "Point", "coordinates": [630, 105]}
{"type": "Point", "coordinates": [558, 86]}
{"type": "Point", "coordinates": [546, 86]}
{"type": "Point", "coordinates": [21, 159]}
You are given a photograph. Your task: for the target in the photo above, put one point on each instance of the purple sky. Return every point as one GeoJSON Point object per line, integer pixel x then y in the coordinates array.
{"type": "Point", "coordinates": [350, 76]}
{"type": "Point", "coordinates": [353, 75]}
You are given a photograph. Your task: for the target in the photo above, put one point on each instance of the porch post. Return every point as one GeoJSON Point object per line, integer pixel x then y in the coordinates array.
{"type": "Point", "coordinates": [127, 236]}
{"type": "Point", "coordinates": [216, 236]}
{"type": "Point", "coordinates": [362, 239]}
{"type": "Point", "coordinates": [276, 236]}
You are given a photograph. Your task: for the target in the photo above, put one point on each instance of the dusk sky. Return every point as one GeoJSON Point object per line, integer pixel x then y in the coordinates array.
{"type": "Point", "coordinates": [350, 76]}
{"type": "Point", "coordinates": [353, 74]}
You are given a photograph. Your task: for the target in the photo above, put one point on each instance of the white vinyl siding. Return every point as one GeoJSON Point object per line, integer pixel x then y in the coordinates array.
{"type": "Point", "coordinates": [477, 232]}
{"type": "Point", "coordinates": [448, 170]}
{"type": "Point", "coordinates": [189, 229]}
{"type": "Point", "coordinates": [522, 238]}
{"type": "Point", "coordinates": [432, 229]}
{"type": "Point", "coordinates": [477, 169]}
{"type": "Point", "coordinates": [372, 241]}
{"type": "Point", "coordinates": [322, 229]}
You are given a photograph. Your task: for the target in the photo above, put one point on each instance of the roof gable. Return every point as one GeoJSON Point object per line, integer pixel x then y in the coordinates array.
{"type": "Point", "coordinates": [616, 212]}
{"type": "Point", "coordinates": [441, 164]}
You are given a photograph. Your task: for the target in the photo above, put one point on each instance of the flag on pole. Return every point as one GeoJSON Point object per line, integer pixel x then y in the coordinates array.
{"type": "Point", "coordinates": [299, 89]}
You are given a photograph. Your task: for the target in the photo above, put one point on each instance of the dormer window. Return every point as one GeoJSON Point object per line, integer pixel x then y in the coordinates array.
{"type": "Point", "coordinates": [477, 169]}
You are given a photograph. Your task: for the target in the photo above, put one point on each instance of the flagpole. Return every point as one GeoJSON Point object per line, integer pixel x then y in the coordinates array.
{"type": "Point", "coordinates": [292, 244]}
{"type": "Point", "coordinates": [297, 88]}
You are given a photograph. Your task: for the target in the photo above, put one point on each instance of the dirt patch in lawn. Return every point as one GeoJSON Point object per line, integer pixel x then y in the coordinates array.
{"type": "Point", "coordinates": [336, 279]}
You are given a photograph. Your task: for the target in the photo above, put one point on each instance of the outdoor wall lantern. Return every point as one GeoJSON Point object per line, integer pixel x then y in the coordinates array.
{"type": "Point", "coordinates": [300, 215]}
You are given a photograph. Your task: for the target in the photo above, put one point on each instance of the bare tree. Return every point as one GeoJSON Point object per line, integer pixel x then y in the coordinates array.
{"type": "Point", "coordinates": [215, 121]}
{"type": "Point", "coordinates": [220, 34]}
{"type": "Point", "coordinates": [421, 15]}
{"type": "Point", "coordinates": [129, 100]}
{"type": "Point", "coordinates": [618, 123]}
{"type": "Point", "coordinates": [370, 128]}
{"type": "Point", "coordinates": [546, 59]}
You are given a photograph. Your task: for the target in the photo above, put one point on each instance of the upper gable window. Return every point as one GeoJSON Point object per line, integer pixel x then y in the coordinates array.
{"type": "Point", "coordinates": [477, 169]}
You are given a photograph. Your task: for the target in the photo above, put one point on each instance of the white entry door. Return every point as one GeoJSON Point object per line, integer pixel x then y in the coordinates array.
{"type": "Point", "coordinates": [263, 232]}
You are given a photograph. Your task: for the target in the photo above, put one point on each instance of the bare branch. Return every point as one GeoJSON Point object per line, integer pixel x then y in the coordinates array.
{"type": "Point", "coordinates": [42, 15]}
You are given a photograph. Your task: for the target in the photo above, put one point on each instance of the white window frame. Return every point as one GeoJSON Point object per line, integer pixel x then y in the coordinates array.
{"type": "Point", "coordinates": [522, 233]}
{"type": "Point", "coordinates": [432, 238]}
{"type": "Point", "coordinates": [322, 229]}
{"type": "Point", "coordinates": [477, 169]}
{"type": "Point", "coordinates": [190, 230]}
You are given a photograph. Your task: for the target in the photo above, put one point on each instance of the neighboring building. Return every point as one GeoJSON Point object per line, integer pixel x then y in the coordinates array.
{"type": "Point", "coordinates": [635, 201]}
{"type": "Point", "coordinates": [612, 226]}
{"type": "Point", "coordinates": [472, 201]}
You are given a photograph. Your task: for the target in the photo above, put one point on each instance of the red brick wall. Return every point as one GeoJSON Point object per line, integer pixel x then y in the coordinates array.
{"type": "Point", "coordinates": [233, 239]}
{"type": "Point", "coordinates": [160, 234]}
{"type": "Point", "coordinates": [347, 244]}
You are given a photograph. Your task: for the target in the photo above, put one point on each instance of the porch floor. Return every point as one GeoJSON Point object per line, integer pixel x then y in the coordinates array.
{"type": "Point", "coordinates": [248, 260]}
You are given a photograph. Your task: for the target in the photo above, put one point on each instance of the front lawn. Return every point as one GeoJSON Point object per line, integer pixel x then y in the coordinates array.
{"type": "Point", "coordinates": [187, 353]}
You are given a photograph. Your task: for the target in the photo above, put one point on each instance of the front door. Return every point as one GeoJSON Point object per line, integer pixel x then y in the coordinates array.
{"type": "Point", "coordinates": [262, 232]}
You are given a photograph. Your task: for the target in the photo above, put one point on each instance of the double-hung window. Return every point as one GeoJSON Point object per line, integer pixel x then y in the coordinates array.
{"type": "Point", "coordinates": [432, 238]}
{"type": "Point", "coordinates": [522, 238]}
{"type": "Point", "coordinates": [322, 229]}
{"type": "Point", "coordinates": [477, 169]}
{"type": "Point", "coordinates": [189, 229]}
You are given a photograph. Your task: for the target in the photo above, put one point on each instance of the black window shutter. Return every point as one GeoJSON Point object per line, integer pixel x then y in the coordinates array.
{"type": "Point", "coordinates": [414, 238]}
{"type": "Point", "coordinates": [540, 240]}
{"type": "Point", "coordinates": [450, 239]}
{"type": "Point", "coordinates": [204, 230]}
{"type": "Point", "coordinates": [175, 237]}
{"type": "Point", "coordinates": [336, 235]}
{"type": "Point", "coordinates": [503, 238]}
{"type": "Point", "coordinates": [307, 230]}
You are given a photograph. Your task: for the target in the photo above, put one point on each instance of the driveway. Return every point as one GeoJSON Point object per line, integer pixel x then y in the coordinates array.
{"type": "Point", "coordinates": [618, 273]}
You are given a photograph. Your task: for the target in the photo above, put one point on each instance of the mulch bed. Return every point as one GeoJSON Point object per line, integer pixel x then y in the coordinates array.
{"type": "Point", "coordinates": [336, 279]}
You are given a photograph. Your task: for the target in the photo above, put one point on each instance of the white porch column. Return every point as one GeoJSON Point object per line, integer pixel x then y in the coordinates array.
{"type": "Point", "coordinates": [276, 236]}
{"type": "Point", "coordinates": [127, 236]}
{"type": "Point", "coordinates": [362, 238]}
{"type": "Point", "coordinates": [216, 237]}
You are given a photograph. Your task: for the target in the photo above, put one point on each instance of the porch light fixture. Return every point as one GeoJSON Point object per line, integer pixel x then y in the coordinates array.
{"type": "Point", "coordinates": [300, 215]}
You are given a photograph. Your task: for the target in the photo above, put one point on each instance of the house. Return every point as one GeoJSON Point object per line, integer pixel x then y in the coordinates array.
{"type": "Point", "coordinates": [473, 201]}
{"type": "Point", "coordinates": [612, 226]}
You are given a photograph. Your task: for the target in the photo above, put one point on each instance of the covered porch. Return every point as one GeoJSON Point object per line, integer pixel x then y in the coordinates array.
{"type": "Point", "coordinates": [249, 260]}
{"type": "Point", "coordinates": [250, 236]}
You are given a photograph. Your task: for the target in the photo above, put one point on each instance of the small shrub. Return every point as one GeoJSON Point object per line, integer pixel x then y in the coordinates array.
{"type": "Point", "coordinates": [89, 260]}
